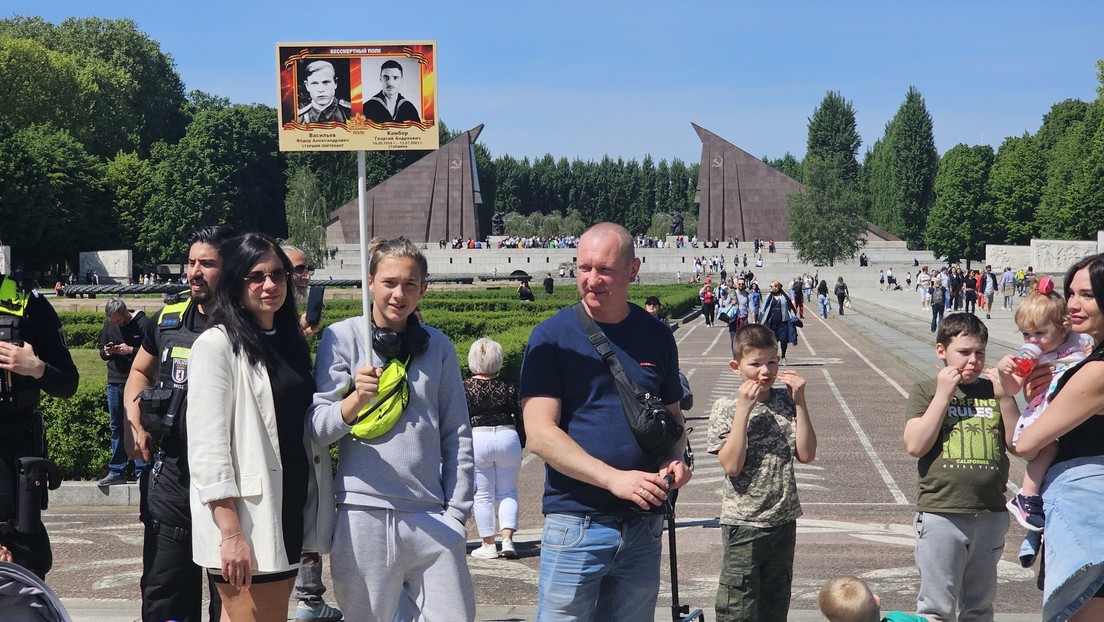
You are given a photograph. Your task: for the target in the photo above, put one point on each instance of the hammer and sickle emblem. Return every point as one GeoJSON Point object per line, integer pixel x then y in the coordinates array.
{"type": "Point", "coordinates": [454, 164]}
{"type": "Point", "coordinates": [717, 162]}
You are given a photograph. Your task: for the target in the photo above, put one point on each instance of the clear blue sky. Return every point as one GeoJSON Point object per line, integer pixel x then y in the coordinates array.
{"type": "Point", "coordinates": [584, 79]}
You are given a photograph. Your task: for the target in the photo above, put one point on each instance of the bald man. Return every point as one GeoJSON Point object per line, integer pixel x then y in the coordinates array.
{"type": "Point", "coordinates": [603, 497]}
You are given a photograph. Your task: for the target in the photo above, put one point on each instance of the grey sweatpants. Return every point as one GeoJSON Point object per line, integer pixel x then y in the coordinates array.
{"type": "Point", "coordinates": [385, 561]}
{"type": "Point", "coordinates": [957, 556]}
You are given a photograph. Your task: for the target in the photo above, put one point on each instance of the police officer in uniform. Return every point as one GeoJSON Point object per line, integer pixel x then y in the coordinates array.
{"type": "Point", "coordinates": [154, 397]}
{"type": "Point", "coordinates": [33, 358]}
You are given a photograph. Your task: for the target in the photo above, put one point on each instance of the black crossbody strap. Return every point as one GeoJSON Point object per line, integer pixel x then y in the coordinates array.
{"type": "Point", "coordinates": [626, 388]}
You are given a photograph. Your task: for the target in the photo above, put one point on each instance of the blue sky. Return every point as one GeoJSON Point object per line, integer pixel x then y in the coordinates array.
{"type": "Point", "coordinates": [584, 79]}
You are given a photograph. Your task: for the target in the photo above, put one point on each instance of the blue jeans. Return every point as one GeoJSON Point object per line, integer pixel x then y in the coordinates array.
{"type": "Point", "coordinates": [599, 568]}
{"type": "Point", "coordinates": [822, 299]}
{"type": "Point", "coordinates": [937, 315]}
{"type": "Point", "coordinates": [116, 421]}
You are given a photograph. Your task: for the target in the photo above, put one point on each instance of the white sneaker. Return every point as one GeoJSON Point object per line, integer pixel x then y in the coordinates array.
{"type": "Point", "coordinates": [487, 551]}
{"type": "Point", "coordinates": [508, 550]}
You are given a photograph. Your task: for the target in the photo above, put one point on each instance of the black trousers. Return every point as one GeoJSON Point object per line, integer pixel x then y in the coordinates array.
{"type": "Point", "coordinates": [21, 437]}
{"type": "Point", "coordinates": [172, 584]}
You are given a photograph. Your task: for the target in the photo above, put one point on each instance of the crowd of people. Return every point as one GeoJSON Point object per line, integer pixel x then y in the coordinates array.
{"type": "Point", "coordinates": [513, 241]}
{"type": "Point", "coordinates": [228, 422]}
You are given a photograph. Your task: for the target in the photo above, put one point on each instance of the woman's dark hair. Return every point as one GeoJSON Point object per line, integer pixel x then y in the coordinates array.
{"type": "Point", "coordinates": [239, 255]}
{"type": "Point", "coordinates": [1095, 265]}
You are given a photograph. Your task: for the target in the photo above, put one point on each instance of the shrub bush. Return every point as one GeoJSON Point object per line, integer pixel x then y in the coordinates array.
{"type": "Point", "coordinates": [77, 432]}
{"type": "Point", "coordinates": [83, 335]}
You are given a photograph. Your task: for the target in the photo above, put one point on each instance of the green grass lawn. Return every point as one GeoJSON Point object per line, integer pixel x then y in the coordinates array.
{"type": "Point", "coordinates": [89, 364]}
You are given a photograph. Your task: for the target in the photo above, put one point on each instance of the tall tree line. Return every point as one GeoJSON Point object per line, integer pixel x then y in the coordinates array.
{"type": "Point", "coordinates": [628, 192]}
{"type": "Point", "coordinates": [1049, 184]}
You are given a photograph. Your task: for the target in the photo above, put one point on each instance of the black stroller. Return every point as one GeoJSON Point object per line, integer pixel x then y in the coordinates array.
{"type": "Point", "coordinates": [25, 598]}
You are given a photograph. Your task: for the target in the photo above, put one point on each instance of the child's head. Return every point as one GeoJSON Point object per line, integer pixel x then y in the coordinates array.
{"type": "Point", "coordinates": [848, 599]}
{"type": "Point", "coordinates": [960, 342]}
{"type": "Point", "coordinates": [755, 353]}
{"type": "Point", "coordinates": [397, 279]}
{"type": "Point", "coordinates": [1042, 316]}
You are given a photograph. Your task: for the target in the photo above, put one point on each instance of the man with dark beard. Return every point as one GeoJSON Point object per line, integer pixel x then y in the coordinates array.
{"type": "Point", "coordinates": [155, 399]}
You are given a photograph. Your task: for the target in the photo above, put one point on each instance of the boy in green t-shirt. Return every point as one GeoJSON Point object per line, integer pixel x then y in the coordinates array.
{"type": "Point", "coordinates": [959, 425]}
{"type": "Point", "coordinates": [756, 434]}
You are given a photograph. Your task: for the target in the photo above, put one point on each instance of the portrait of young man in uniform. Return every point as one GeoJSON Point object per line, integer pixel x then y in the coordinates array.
{"type": "Point", "coordinates": [389, 105]}
{"type": "Point", "coordinates": [324, 82]}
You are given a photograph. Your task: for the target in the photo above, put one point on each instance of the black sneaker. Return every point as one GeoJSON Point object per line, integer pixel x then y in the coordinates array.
{"type": "Point", "coordinates": [1028, 511]}
{"type": "Point", "coordinates": [113, 479]}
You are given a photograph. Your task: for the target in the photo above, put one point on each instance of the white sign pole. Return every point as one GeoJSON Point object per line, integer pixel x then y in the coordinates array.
{"type": "Point", "coordinates": [365, 295]}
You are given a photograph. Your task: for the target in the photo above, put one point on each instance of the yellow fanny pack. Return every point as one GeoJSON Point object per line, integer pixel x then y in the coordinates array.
{"type": "Point", "coordinates": [377, 418]}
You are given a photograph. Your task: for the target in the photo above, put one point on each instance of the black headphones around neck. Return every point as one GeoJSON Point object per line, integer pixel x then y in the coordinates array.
{"type": "Point", "coordinates": [413, 341]}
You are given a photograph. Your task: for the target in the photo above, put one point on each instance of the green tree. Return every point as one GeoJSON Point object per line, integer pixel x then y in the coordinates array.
{"type": "Point", "coordinates": [226, 170]}
{"type": "Point", "coordinates": [1058, 122]}
{"type": "Point", "coordinates": [79, 215]}
{"type": "Point", "coordinates": [306, 214]}
{"type": "Point", "coordinates": [37, 78]}
{"type": "Point", "coordinates": [150, 108]}
{"type": "Point", "coordinates": [1080, 215]}
{"type": "Point", "coordinates": [1063, 168]}
{"type": "Point", "coordinates": [960, 222]}
{"type": "Point", "coordinates": [1016, 184]}
{"type": "Point", "coordinates": [513, 185]}
{"type": "Point", "coordinates": [880, 199]}
{"type": "Point", "coordinates": [198, 101]}
{"type": "Point", "coordinates": [913, 165]}
{"type": "Point", "coordinates": [826, 220]}
{"type": "Point", "coordinates": [788, 165]}
{"type": "Point", "coordinates": [834, 138]}
{"type": "Point", "coordinates": [128, 180]}
{"type": "Point", "coordinates": [661, 226]}
{"type": "Point", "coordinates": [26, 204]}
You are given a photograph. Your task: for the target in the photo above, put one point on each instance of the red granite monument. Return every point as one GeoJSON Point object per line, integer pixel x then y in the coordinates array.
{"type": "Point", "coordinates": [435, 198]}
{"type": "Point", "coordinates": [739, 195]}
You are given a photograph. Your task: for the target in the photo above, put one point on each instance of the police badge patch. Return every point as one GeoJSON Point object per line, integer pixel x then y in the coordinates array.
{"type": "Point", "coordinates": [180, 370]}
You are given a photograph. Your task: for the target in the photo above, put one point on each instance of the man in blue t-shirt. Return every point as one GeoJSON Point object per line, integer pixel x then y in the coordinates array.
{"type": "Point", "coordinates": [603, 494]}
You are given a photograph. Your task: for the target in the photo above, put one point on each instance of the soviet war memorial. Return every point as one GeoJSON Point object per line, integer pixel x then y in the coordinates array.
{"type": "Point", "coordinates": [607, 312]}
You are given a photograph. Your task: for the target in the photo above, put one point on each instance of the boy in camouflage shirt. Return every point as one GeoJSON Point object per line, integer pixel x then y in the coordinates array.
{"type": "Point", "coordinates": [756, 435]}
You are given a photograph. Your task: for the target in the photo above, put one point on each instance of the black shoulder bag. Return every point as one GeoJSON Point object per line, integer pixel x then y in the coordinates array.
{"type": "Point", "coordinates": [656, 429]}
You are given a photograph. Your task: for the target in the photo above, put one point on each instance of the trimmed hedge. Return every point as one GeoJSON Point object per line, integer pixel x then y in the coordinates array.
{"type": "Point", "coordinates": [77, 432]}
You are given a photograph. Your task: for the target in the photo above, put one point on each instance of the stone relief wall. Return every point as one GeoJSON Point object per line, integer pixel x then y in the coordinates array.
{"type": "Point", "coordinates": [112, 266]}
{"type": "Point", "coordinates": [1043, 255]}
{"type": "Point", "coordinates": [1001, 255]}
{"type": "Point", "coordinates": [1058, 255]}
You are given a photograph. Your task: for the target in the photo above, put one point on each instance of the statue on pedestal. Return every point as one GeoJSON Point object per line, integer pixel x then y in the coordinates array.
{"type": "Point", "coordinates": [676, 223]}
{"type": "Point", "coordinates": [498, 224]}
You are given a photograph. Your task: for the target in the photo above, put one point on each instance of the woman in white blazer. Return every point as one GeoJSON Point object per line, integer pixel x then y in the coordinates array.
{"type": "Point", "coordinates": [250, 454]}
